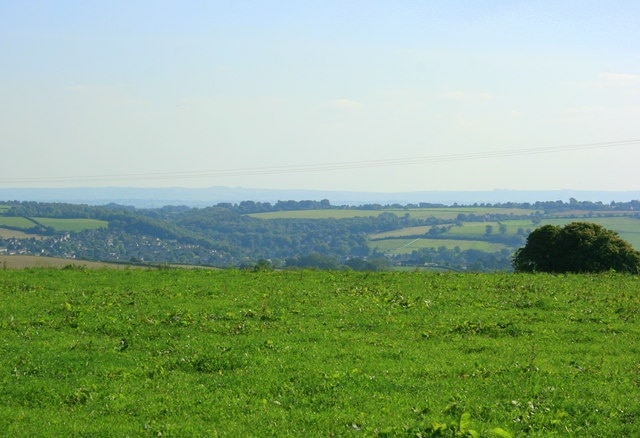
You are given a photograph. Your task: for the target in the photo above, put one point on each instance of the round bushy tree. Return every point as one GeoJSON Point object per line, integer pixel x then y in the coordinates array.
{"type": "Point", "coordinates": [576, 247]}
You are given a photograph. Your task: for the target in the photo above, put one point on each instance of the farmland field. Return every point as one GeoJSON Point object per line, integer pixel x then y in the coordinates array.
{"type": "Point", "coordinates": [55, 223]}
{"type": "Point", "coordinates": [6, 233]}
{"type": "Point", "coordinates": [71, 224]}
{"type": "Point", "coordinates": [467, 234]}
{"type": "Point", "coordinates": [14, 221]}
{"type": "Point", "coordinates": [462, 234]}
{"type": "Point", "coordinates": [402, 246]}
{"type": "Point", "coordinates": [628, 228]}
{"type": "Point", "coordinates": [28, 261]}
{"type": "Point", "coordinates": [307, 353]}
{"type": "Point", "coordinates": [402, 232]}
{"type": "Point", "coordinates": [440, 213]}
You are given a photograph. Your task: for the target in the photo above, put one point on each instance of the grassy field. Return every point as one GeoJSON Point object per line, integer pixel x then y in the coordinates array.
{"type": "Point", "coordinates": [6, 233]}
{"type": "Point", "coordinates": [28, 261]}
{"type": "Point", "coordinates": [403, 232]}
{"type": "Point", "coordinates": [73, 225]}
{"type": "Point", "coordinates": [628, 228]}
{"type": "Point", "coordinates": [229, 353]}
{"type": "Point", "coordinates": [404, 246]}
{"type": "Point", "coordinates": [470, 235]}
{"type": "Point", "coordinates": [317, 214]}
{"type": "Point", "coordinates": [18, 222]}
{"type": "Point", "coordinates": [55, 223]}
{"type": "Point", "coordinates": [440, 213]}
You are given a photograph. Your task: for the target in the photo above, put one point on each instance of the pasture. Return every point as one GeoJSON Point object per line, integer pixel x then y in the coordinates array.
{"type": "Point", "coordinates": [57, 224]}
{"type": "Point", "coordinates": [473, 235]}
{"type": "Point", "coordinates": [627, 227]}
{"type": "Point", "coordinates": [408, 245]}
{"type": "Point", "coordinates": [71, 224]}
{"type": "Point", "coordinates": [6, 233]}
{"type": "Point", "coordinates": [448, 213]}
{"type": "Point", "coordinates": [16, 222]}
{"type": "Point", "coordinates": [307, 353]}
{"type": "Point", "coordinates": [466, 234]}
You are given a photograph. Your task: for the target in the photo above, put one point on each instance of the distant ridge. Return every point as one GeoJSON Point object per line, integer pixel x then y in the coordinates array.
{"type": "Point", "coordinates": [201, 197]}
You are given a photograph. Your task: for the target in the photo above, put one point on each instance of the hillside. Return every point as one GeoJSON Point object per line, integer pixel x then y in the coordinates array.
{"type": "Point", "coordinates": [298, 233]}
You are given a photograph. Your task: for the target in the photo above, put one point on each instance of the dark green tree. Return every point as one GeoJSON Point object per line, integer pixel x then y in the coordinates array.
{"type": "Point", "coordinates": [576, 247]}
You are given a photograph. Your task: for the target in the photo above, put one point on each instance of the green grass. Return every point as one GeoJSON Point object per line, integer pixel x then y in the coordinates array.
{"type": "Point", "coordinates": [404, 246]}
{"type": "Point", "coordinates": [404, 240]}
{"type": "Point", "coordinates": [6, 233]}
{"type": "Point", "coordinates": [58, 225]}
{"type": "Point", "coordinates": [627, 227]}
{"type": "Point", "coordinates": [73, 225]}
{"type": "Point", "coordinates": [440, 213]}
{"type": "Point", "coordinates": [478, 229]}
{"type": "Point", "coordinates": [402, 232]}
{"type": "Point", "coordinates": [453, 212]}
{"type": "Point", "coordinates": [467, 236]}
{"type": "Point", "coordinates": [18, 222]}
{"type": "Point", "coordinates": [318, 214]}
{"type": "Point", "coordinates": [230, 353]}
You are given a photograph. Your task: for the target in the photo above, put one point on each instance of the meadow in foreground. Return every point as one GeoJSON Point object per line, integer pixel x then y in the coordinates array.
{"type": "Point", "coordinates": [236, 353]}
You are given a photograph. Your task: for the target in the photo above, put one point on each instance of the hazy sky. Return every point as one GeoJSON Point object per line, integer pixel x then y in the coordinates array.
{"type": "Point", "coordinates": [349, 95]}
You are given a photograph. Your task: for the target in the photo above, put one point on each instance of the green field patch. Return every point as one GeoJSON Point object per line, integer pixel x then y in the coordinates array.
{"type": "Point", "coordinates": [73, 225]}
{"type": "Point", "coordinates": [309, 353]}
{"type": "Point", "coordinates": [405, 246]}
{"type": "Point", "coordinates": [28, 261]}
{"type": "Point", "coordinates": [620, 224]}
{"type": "Point", "coordinates": [16, 222]}
{"type": "Point", "coordinates": [439, 213]}
{"type": "Point", "coordinates": [6, 233]}
{"type": "Point", "coordinates": [627, 227]}
{"type": "Point", "coordinates": [471, 229]}
{"type": "Point", "coordinates": [464, 230]}
{"type": "Point", "coordinates": [582, 214]}
{"type": "Point", "coordinates": [403, 232]}
{"type": "Point", "coordinates": [483, 229]}
{"type": "Point", "coordinates": [317, 214]}
{"type": "Point", "coordinates": [453, 212]}
{"type": "Point", "coordinates": [57, 224]}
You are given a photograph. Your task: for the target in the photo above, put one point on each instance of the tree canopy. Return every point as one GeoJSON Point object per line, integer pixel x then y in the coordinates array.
{"type": "Point", "coordinates": [576, 247]}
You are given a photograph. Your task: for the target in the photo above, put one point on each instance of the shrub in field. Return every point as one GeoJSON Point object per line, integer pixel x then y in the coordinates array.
{"type": "Point", "coordinates": [576, 247]}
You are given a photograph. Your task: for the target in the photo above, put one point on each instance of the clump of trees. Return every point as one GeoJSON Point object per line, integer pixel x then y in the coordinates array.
{"type": "Point", "coordinates": [576, 247]}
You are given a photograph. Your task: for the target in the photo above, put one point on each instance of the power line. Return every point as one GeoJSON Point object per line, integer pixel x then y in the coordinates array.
{"type": "Point", "coordinates": [323, 167]}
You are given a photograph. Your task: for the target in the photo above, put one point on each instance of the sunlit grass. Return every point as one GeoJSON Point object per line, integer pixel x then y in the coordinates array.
{"type": "Point", "coordinates": [439, 213]}
{"type": "Point", "coordinates": [117, 353]}
{"type": "Point", "coordinates": [405, 246]}
{"type": "Point", "coordinates": [72, 224]}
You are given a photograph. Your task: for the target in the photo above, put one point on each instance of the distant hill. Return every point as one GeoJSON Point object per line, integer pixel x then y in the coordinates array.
{"type": "Point", "coordinates": [297, 234]}
{"type": "Point", "coordinates": [200, 197]}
